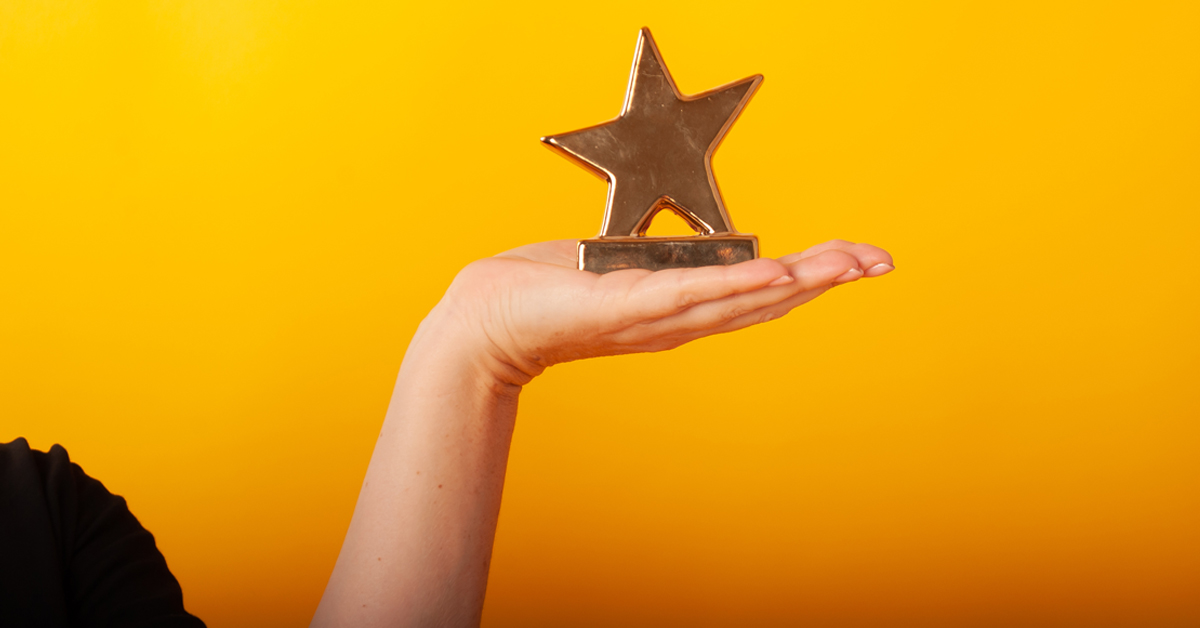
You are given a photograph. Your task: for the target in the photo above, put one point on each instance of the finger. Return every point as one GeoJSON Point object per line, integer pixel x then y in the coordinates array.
{"type": "Point", "coordinates": [660, 294]}
{"type": "Point", "coordinates": [825, 268]}
{"type": "Point", "coordinates": [818, 272]}
{"type": "Point", "coordinates": [807, 273]}
{"type": "Point", "coordinates": [832, 245]}
{"type": "Point", "coordinates": [770, 313]}
{"type": "Point", "coordinates": [714, 313]}
{"type": "Point", "coordinates": [872, 260]}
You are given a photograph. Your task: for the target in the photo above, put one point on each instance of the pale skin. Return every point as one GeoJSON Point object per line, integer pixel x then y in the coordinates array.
{"type": "Point", "coordinates": [420, 541]}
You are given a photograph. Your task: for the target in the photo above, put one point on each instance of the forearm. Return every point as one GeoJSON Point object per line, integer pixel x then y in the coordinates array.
{"type": "Point", "coordinates": [420, 541]}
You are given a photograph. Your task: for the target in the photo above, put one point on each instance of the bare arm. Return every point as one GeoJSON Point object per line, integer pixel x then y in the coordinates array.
{"type": "Point", "coordinates": [420, 541]}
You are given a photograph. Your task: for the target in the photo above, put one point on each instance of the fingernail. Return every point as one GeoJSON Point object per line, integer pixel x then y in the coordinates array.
{"type": "Point", "coordinates": [880, 269]}
{"type": "Point", "coordinates": [849, 275]}
{"type": "Point", "coordinates": [782, 281]}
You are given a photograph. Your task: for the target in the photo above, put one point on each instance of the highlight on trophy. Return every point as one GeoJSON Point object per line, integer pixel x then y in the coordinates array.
{"type": "Point", "coordinates": [657, 155]}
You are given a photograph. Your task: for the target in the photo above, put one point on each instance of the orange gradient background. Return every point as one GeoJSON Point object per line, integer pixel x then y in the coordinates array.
{"type": "Point", "coordinates": [222, 220]}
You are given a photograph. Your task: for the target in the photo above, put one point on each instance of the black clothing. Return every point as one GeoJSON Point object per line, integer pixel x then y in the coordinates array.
{"type": "Point", "coordinates": [71, 553]}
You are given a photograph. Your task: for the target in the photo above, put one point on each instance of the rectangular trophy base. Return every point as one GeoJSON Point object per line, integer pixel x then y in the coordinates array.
{"type": "Point", "coordinates": [606, 254]}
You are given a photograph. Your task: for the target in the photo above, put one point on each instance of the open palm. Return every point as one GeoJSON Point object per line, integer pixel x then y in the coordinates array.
{"type": "Point", "coordinates": [536, 309]}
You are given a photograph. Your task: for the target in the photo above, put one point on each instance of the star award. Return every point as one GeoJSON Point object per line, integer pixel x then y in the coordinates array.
{"type": "Point", "coordinates": [657, 155]}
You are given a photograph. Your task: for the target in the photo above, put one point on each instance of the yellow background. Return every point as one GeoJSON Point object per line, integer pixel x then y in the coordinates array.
{"type": "Point", "coordinates": [222, 220]}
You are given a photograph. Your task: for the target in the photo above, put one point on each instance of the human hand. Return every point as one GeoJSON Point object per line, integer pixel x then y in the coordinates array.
{"type": "Point", "coordinates": [530, 308]}
{"type": "Point", "coordinates": [419, 544]}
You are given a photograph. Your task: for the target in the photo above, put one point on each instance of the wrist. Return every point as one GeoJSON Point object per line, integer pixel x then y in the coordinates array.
{"type": "Point", "coordinates": [459, 333]}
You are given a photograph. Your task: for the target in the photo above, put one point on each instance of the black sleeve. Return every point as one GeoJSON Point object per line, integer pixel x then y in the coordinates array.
{"type": "Point", "coordinates": [72, 554]}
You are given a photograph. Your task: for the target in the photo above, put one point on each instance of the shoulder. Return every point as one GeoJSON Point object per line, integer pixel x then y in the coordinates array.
{"type": "Point", "coordinates": [33, 557]}
{"type": "Point", "coordinates": [28, 473]}
{"type": "Point", "coordinates": [18, 462]}
{"type": "Point", "coordinates": [79, 550]}
{"type": "Point", "coordinates": [44, 490]}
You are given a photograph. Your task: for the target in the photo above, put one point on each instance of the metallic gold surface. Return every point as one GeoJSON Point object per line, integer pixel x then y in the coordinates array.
{"type": "Point", "coordinates": [656, 155]}
{"type": "Point", "coordinates": [602, 255]}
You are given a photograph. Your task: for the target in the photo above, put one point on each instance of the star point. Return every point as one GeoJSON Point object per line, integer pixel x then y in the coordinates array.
{"type": "Point", "coordinates": [657, 154]}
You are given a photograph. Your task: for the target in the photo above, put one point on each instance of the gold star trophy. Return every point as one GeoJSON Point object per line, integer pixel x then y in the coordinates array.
{"type": "Point", "coordinates": [657, 155]}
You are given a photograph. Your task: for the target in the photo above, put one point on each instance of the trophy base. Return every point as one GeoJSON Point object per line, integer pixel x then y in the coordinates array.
{"type": "Point", "coordinates": [606, 254]}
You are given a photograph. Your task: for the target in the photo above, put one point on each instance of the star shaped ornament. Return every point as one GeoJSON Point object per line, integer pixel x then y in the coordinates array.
{"type": "Point", "coordinates": [657, 155]}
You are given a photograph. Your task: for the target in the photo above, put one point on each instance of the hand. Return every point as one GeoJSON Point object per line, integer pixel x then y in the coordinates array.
{"type": "Point", "coordinates": [419, 545]}
{"type": "Point", "coordinates": [531, 307]}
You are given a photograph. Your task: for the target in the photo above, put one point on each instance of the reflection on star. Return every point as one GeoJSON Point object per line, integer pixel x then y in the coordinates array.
{"type": "Point", "coordinates": [658, 153]}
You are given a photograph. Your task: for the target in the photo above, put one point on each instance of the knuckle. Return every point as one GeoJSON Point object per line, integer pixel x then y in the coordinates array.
{"type": "Point", "coordinates": [734, 311]}
{"type": "Point", "coordinates": [771, 316]}
{"type": "Point", "coordinates": [685, 299]}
